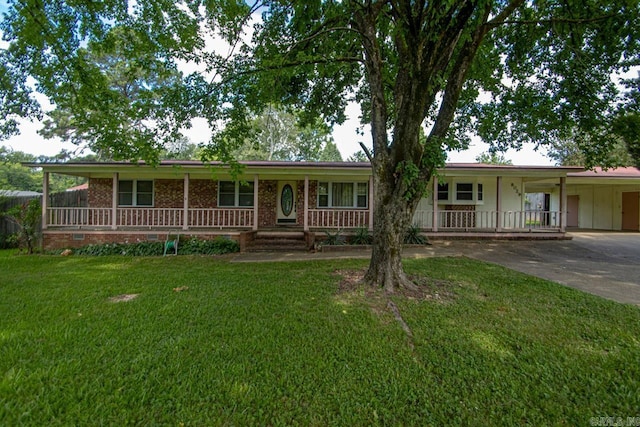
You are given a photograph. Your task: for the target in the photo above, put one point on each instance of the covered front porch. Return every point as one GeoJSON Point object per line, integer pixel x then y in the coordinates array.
{"type": "Point", "coordinates": [142, 202]}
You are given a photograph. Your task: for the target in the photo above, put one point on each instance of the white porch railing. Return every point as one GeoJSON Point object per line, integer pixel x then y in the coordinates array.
{"type": "Point", "coordinates": [79, 217]}
{"type": "Point", "coordinates": [318, 218]}
{"type": "Point", "coordinates": [238, 218]}
{"type": "Point", "coordinates": [149, 217]}
{"type": "Point", "coordinates": [338, 218]}
{"type": "Point", "coordinates": [488, 220]}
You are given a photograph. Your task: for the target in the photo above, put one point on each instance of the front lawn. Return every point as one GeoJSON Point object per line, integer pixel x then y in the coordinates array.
{"type": "Point", "coordinates": [209, 342]}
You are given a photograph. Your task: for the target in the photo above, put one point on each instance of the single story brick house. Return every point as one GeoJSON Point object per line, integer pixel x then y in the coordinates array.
{"type": "Point", "coordinates": [139, 202]}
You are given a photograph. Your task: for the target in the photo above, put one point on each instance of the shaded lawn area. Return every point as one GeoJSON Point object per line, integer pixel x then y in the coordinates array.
{"type": "Point", "coordinates": [279, 343]}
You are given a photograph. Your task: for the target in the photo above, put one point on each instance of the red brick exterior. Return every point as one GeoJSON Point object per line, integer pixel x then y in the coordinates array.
{"type": "Point", "coordinates": [169, 195]}
{"type": "Point", "coordinates": [100, 193]}
{"type": "Point", "coordinates": [203, 194]}
{"type": "Point", "coordinates": [267, 208]}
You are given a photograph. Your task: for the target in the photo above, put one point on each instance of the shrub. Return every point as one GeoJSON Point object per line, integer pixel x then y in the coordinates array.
{"type": "Point", "coordinates": [362, 237]}
{"type": "Point", "coordinates": [413, 237]}
{"type": "Point", "coordinates": [333, 239]}
{"type": "Point", "coordinates": [190, 246]}
{"type": "Point", "coordinates": [218, 246]}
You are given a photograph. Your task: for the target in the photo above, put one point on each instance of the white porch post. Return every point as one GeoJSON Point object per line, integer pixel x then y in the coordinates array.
{"type": "Point", "coordinates": [371, 202]}
{"type": "Point", "coordinates": [499, 203]}
{"type": "Point", "coordinates": [256, 183]}
{"type": "Point", "coordinates": [185, 213]}
{"type": "Point", "coordinates": [306, 203]}
{"type": "Point", "coordinates": [434, 202]}
{"type": "Point", "coordinates": [563, 204]}
{"type": "Point", "coordinates": [114, 202]}
{"type": "Point", "coordinates": [45, 199]}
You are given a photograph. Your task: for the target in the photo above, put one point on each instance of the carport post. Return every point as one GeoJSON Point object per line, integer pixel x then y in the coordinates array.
{"type": "Point", "coordinates": [563, 204]}
{"type": "Point", "coordinates": [434, 218]}
{"type": "Point", "coordinates": [499, 203]}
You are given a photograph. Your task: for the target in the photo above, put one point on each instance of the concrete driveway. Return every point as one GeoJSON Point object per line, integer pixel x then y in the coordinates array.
{"type": "Point", "coordinates": [602, 263]}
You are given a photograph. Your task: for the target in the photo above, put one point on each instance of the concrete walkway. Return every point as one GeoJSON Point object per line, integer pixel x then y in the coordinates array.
{"type": "Point", "coordinates": [602, 263]}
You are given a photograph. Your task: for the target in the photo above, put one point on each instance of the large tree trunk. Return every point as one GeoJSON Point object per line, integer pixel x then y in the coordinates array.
{"type": "Point", "coordinates": [392, 216]}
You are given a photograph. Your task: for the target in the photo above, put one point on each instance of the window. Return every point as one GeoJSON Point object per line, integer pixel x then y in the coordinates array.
{"type": "Point", "coordinates": [323, 195]}
{"type": "Point", "coordinates": [464, 191]}
{"type": "Point", "coordinates": [480, 193]}
{"type": "Point", "coordinates": [135, 193]}
{"type": "Point", "coordinates": [343, 194]}
{"type": "Point", "coordinates": [443, 191]}
{"type": "Point", "coordinates": [232, 193]}
{"type": "Point", "coordinates": [363, 193]}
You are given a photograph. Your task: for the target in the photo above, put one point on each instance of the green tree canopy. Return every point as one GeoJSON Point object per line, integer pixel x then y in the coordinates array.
{"type": "Point", "coordinates": [493, 158]}
{"type": "Point", "coordinates": [511, 71]}
{"type": "Point", "coordinates": [278, 135]}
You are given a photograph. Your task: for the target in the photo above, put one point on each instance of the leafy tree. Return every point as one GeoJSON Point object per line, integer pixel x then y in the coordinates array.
{"type": "Point", "coordinates": [414, 66]}
{"type": "Point", "coordinates": [330, 153]}
{"type": "Point", "coordinates": [573, 152]}
{"type": "Point", "coordinates": [27, 217]}
{"type": "Point", "coordinates": [14, 176]}
{"type": "Point", "coordinates": [277, 135]}
{"type": "Point", "coordinates": [181, 149]}
{"type": "Point", "coordinates": [627, 123]}
{"type": "Point", "coordinates": [358, 156]}
{"type": "Point", "coordinates": [493, 158]}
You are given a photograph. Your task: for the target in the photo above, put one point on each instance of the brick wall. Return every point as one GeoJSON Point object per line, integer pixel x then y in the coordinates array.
{"type": "Point", "coordinates": [100, 192]}
{"type": "Point", "coordinates": [203, 193]}
{"type": "Point", "coordinates": [168, 193]}
{"type": "Point", "coordinates": [267, 210]}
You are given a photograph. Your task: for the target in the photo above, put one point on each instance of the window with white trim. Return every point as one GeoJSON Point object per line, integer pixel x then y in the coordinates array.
{"type": "Point", "coordinates": [134, 192]}
{"type": "Point", "coordinates": [443, 191]}
{"type": "Point", "coordinates": [460, 192]}
{"type": "Point", "coordinates": [343, 195]}
{"type": "Point", "coordinates": [464, 191]}
{"type": "Point", "coordinates": [235, 194]}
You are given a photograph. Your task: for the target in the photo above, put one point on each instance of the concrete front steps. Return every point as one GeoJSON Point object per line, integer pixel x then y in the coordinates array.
{"type": "Point", "coordinates": [278, 241]}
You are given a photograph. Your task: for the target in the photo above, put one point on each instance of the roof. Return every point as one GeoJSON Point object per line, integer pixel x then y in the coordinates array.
{"type": "Point", "coordinates": [283, 169]}
{"type": "Point", "coordinates": [19, 193]}
{"type": "Point", "coordinates": [627, 172]}
{"type": "Point", "coordinates": [84, 186]}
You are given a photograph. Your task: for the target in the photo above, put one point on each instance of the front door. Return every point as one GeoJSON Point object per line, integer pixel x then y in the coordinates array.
{"type": "Point", "coordinates": [631, 210]}
{"type": "Point", "coordinates": [286, 202]}
{"type": "Point", "coordinates": [573, 203]}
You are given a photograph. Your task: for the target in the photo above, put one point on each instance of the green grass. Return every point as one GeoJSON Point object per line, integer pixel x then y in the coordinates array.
{"type": "Point", "coordinates": [276, 344]}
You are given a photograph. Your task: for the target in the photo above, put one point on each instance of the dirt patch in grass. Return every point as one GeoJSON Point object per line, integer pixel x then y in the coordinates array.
{"type": "Point", "coordinates": [123, 297]}
{"type": "Point", "coordinates": [352, 281]}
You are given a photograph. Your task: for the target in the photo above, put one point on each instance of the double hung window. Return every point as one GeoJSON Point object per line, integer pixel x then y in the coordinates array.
{"type": "Point", "coordinates": [135, 193]}
{"type": "Point", "coordinates": [343, 194]}
{"type": "Point", "coordinates": [235, 194]}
